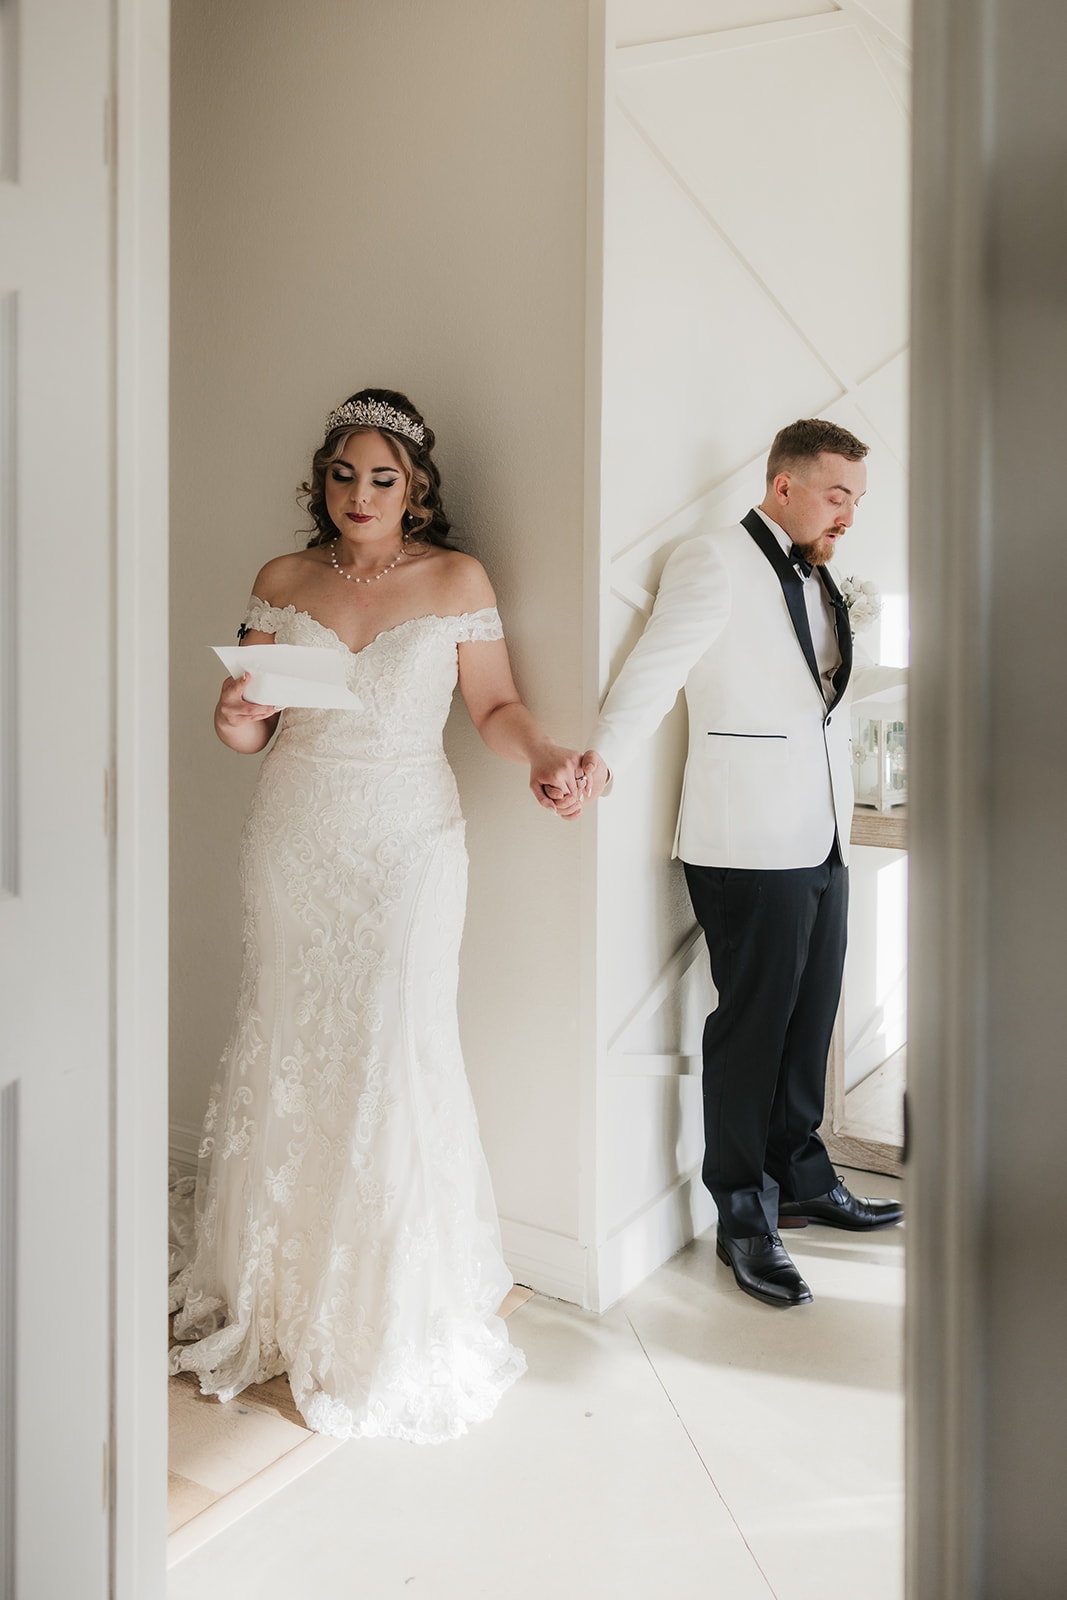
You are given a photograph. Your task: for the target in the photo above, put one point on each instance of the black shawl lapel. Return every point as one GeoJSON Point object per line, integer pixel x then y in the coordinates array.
{"type": "Point", "coordinates": [844, 635]}
{"type": "Point", "coordinates": [793, 590]}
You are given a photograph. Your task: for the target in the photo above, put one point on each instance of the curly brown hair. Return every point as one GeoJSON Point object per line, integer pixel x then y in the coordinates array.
{"type": "Point", "coordinates": [808, 438]}
{"type": "Point", "coordinates": [424, 514]}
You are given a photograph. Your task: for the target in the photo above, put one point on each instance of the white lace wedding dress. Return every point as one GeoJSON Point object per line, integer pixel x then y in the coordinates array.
{"type": "Point", "coordinates": [345, 1226]}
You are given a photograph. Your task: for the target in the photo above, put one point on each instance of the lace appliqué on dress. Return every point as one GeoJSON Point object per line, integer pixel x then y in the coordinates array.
{"type": "Point", "coordinates": [480, 627]}
{"type": "Point", "coordinates": [470, 627]}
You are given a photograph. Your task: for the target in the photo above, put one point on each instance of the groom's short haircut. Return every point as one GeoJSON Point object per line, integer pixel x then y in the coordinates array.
{"type": "Point", "coordinates": [807, 438]}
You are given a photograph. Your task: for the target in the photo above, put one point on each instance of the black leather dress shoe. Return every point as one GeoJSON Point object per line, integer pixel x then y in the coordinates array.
{"type": "Point", "coordinates": [839, 1209]}
{"type": "Point", "coordinates": [763, 1269]}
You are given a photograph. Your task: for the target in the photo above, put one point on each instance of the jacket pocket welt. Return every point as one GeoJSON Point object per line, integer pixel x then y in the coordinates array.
{"type": "Point", "coordinates": [747, 750]}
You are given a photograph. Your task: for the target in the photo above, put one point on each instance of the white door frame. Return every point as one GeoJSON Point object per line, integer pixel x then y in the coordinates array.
{"type": "Point", "coordinates": [84, 179]}
{"type": "Point", "coordinates": [140, 131]}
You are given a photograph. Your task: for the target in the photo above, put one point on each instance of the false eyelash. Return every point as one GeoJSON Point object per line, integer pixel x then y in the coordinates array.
{"type": "Point", "coordinates": [242, 630]}
{"type": "Point", "coordinates": [379, 483]}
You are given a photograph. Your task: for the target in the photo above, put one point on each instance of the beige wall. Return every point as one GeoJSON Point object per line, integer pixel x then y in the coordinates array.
{"type": "Point", "coordinates": [390, 194]}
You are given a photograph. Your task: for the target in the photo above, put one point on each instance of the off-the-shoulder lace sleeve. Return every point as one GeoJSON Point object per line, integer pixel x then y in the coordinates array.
{"type": "Point", "coordinates": [479, 627]}
{"type": "Point", "coordinates": [262, 618]}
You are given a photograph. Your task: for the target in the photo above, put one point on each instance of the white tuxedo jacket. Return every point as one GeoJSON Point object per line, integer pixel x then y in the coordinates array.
{"type": "Point", "coordinates": [768, 777]}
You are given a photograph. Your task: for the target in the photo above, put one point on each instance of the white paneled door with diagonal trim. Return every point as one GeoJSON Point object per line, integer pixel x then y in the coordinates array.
{"type": "Point", "coordinates": [755, 270]}
{"type": "Point", "coordinates": [55, 740]}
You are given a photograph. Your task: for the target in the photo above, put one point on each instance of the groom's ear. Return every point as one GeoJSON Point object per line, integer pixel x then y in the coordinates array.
{"type": "Point", "coordinates": [780, 486]}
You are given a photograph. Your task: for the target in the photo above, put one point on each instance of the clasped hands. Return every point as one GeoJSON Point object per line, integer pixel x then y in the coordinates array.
{"type": "Point", "coordinates": [566, 781]}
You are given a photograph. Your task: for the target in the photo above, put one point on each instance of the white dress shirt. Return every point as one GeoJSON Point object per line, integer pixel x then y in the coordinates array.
{"type": "Point", "coordinates": [820, 615]}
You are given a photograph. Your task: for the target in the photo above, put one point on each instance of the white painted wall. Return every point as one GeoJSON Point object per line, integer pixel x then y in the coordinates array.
{"type": "Point", "coordinates": [392, 194]}
{"type": "Point", "coordinates": [755, 246]}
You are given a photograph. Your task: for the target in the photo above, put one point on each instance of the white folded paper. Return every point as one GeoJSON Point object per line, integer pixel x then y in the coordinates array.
{"type": "Point", "coordinates": [290, 675]}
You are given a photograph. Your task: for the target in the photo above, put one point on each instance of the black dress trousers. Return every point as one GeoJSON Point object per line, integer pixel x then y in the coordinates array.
{"type": "Point", "coordinates": [777, 945]}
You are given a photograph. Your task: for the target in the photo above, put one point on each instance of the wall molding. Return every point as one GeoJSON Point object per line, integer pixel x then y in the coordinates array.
{"type": "Point", "coordinates": [663, 985]}
{"type": "Point", "coordinates": [555, 1264]}
{"type": "Point", "coordinates": [844, 382]}
{"type": "Point", "coordinates": [850, 14]}
{"type": "Point", "coordinates": [645, 1241]}
{"type": "Point", "coordinates": [657, 51]}
{"type": "Point", "coordinates": [654, 1064]}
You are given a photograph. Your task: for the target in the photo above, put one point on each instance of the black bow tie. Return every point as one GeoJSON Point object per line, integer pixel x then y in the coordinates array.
{"type": "Point", "coordinates": [796, 556]}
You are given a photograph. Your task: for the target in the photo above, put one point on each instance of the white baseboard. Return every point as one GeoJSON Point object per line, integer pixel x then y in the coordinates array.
{"type": "Point", "coordinates": [564, 1268]}
{"type": "Point", "coordinates": [645, 1242]}
{"type": "Point", "coordinates": [184, 1144]}
{"type": "Point", "coordinates": [552, 1263]}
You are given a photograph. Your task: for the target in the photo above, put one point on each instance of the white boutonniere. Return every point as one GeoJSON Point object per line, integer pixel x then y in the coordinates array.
{"type": "Point", "coordinates": [863, 602]}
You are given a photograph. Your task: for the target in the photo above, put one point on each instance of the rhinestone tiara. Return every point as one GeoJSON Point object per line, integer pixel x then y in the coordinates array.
{"type": "Point", "coordinates": [375, 414]}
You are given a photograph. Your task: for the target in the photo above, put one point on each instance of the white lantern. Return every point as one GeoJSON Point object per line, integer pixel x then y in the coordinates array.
{"type": "Point", "coordinates": [880, 750]}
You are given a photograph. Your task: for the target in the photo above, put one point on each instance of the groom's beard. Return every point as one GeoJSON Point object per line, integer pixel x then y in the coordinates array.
{"type": "Point", "coordinates": [819, 551]}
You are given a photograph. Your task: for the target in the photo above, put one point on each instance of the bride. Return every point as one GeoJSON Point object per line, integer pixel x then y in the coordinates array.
{"type": "Point", "coordinates": [345, 1227]}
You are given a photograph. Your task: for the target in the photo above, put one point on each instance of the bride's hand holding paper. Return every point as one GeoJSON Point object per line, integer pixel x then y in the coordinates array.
{"type": "Point", "coordinates": [233, 708]}
{"type": "Point", "coordinates": [281, 675]}
{"type": "Point", "coordinates": [265, 678]}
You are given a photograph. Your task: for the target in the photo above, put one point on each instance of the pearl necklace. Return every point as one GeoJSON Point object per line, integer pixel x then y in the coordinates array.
{"type": "Point", "coordinates": [348, 575]}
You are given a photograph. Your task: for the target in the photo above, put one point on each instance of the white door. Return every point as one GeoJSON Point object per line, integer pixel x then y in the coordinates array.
{"type": "Point", "coordinates": [55, 741]}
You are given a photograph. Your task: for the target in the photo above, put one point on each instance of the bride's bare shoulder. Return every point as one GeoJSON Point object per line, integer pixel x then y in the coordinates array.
{"type": "Point", "coordinates": [461, 583]}
{"type": "Point", "coordinates": [276, 581]}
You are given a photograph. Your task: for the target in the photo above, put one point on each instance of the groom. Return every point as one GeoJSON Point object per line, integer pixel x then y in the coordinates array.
{"type": "Point", "coordinates": [750, 621]}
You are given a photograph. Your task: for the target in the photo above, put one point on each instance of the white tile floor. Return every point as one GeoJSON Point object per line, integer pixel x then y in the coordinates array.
{"type": "Point", "coordinates": [691, 1443]}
